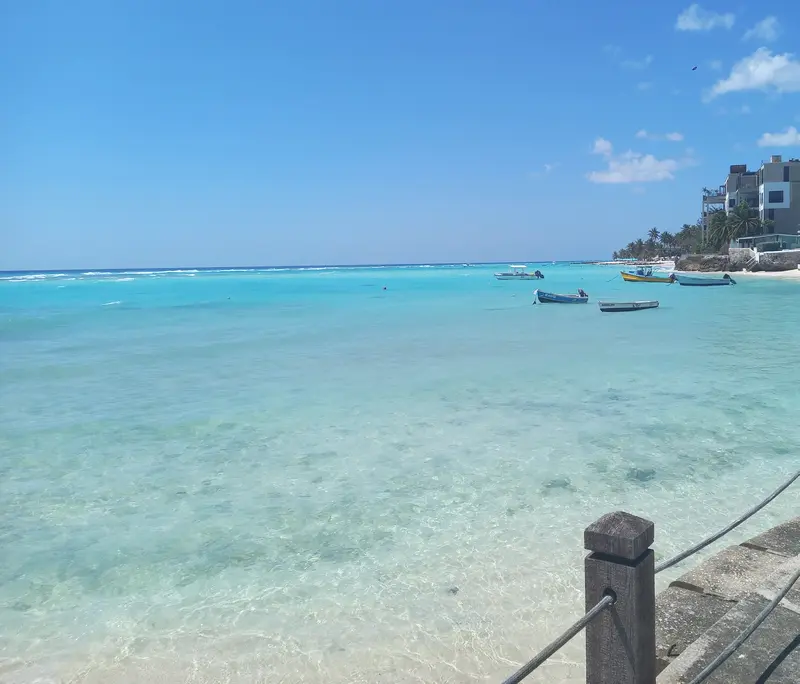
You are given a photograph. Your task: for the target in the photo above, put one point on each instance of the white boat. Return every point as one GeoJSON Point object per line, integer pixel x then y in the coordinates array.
{"type": "Point", "coordinates": [518, 272]}
{"type": "Point", "coordinates": [614, 307]}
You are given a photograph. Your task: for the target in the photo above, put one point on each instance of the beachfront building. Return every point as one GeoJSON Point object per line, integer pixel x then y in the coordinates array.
{"type": "Point", "coordinates": [772, 193]}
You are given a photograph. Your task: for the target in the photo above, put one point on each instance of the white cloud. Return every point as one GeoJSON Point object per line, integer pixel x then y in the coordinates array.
{"type": "Point", "coordinates": [602, 146]}
{"type": "Point", "coordinates": [789, 138]}
{"type": "Point", "coordinates": [644, 85]}
{"type": "Point", "coordinates": [695, 18]}
{"type": "Point", "coordinates": [545, 171]}
{"type": "Point", "coordinates": [761, 71]}
{"type": "Point", "coordinates": [634, 167]}
{"type": "Point", "coordinates": [672, 137]}
{"type": "Point", "coordinates": [638, 63]}
{"type": "Point", "coordinates": [767, 30]}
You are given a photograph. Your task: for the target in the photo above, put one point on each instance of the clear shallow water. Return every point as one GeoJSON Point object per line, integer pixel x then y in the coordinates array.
{"type": "Point", "coordinates": [281, 475]}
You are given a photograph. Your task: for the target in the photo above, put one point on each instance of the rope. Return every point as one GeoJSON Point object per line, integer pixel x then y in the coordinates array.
{"type": "Point", "coordinates": [708, 540]}
{"type": "Point", "coordinates": [543, 655]}
{"type": "Point", "coordinates": [752, 627]}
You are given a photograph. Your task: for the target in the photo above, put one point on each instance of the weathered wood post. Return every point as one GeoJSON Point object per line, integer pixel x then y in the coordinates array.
{"type": "Point", "coordinates": [621, 641]}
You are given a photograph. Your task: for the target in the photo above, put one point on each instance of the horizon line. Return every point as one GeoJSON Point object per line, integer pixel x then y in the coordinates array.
{"type": "Point", "coordinates": [294, 266]}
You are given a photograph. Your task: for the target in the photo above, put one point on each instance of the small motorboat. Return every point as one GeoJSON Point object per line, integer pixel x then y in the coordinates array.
{"type": "Point", "coordinates": [614, 307]}
{"type": "Point", "coordinates": [699, 281]}
{"type": "Point", "coordinates": [552, 298]}
{"type": "Point", "coordinates": [644, 274]}
{"type": "Point", "coordinates": [518, 272]}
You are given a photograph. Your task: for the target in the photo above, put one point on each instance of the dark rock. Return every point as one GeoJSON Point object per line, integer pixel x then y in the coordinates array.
{"type": "Point", "coordinates": [779, 261]}
{"type": "Point", "coordinates": [559, 483]}
{"type": "Point", "coordinates": [703, 262]}
{"type": "Point", "coordinates": [640, 474]}
{"type": "Point", "coordinates": [452, 590]}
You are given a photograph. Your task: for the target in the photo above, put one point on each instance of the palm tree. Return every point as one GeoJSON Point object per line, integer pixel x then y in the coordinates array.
{"type": "Point", "coordinates": [720, 230]}
{"type": "Point", "coordinates": [639, 248]}
{"type": "Point", "coordinates": [653, 234]}
{"type": "Point", "coordinates": [667, 242]}
{"type": "Point", "coordinates": [742, 222]}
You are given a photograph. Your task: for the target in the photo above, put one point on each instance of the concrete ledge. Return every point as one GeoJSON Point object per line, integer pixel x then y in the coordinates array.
{"type": "Point", "coordinates": [732, 573]}
{"type": "Point", "coordinates": [682, 616]}
{"type": "Point", "coordinates": [783, 539]}
{"type": "Point", "coordinates": [771, 655]}
{"type": "Point", "coordinates": [708, 607]}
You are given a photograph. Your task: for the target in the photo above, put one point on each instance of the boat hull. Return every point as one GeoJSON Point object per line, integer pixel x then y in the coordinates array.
{"type": "Point", "coordinates": [621, 307]}
{"type": "Point", "coordinates": [694, 281]}
{"type": "Point", "coordinates": [633, 278]}
{"type": "Point", "coordinates": [500, 276]}
{"type": "Point", "coordinates": [552, 298]}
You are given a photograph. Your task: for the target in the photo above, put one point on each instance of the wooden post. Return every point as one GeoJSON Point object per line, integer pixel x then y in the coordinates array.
{"type": "Point", "coordinates": [621, 641]}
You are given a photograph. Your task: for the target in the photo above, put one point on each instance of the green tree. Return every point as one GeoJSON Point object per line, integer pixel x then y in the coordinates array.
{"type": "Point", "coordinates": [720, 231]}
{"type": "Point", "coordinates": [653, 234]}
{"type": "Point", "coordinates": [667, 243]}
{"type": "Point", "coordinates": [743, 221]}
{"type": "Point", "coordinates": [689, 239]}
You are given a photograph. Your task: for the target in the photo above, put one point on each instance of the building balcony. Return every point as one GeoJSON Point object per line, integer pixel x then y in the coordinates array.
{"type": "Point", "coordinates": [714, 195]}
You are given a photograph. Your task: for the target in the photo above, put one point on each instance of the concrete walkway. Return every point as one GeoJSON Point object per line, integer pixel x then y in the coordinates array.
{"type": "Point", "coordinates": [705, 609]}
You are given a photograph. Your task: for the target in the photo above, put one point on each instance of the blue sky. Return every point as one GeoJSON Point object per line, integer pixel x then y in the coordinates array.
{"type": "Point", "coordinates": [152, 133]}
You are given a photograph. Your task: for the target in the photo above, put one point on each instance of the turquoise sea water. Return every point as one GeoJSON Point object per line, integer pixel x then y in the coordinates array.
{"type": "Point", "coordinates": [296, 475]}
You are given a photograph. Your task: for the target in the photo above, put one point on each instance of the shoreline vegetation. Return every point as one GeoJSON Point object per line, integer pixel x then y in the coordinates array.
{"type": "Point", "coordinates": [660, 245]}
{"type": "Point", "coordinates": [691, 251]}
{"type": "Point", "coordinates": [723, 229]}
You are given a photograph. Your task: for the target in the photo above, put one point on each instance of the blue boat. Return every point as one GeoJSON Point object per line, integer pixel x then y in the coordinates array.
{"type": "Point", "coordinates": [551, 298]}
{"type": "Point", "coordinates": [695, 281]}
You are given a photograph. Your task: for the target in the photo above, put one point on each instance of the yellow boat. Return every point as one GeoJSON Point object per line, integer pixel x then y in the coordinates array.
{"type": "Point", "coordinates": [645, 275]}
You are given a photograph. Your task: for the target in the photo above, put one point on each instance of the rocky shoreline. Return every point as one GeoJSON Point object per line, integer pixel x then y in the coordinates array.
{"type": "Point", "coordinates": [770, 262]}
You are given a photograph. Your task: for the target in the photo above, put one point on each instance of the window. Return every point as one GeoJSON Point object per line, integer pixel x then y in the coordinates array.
{"type": "Point", "coordinates": [771, 216]}
{"type": "Point", "coordinates": [786, 174]}
{"type": "Point", "coordinates": [775, 197]}
{"type": "Point", "coordinates": [731, 203]}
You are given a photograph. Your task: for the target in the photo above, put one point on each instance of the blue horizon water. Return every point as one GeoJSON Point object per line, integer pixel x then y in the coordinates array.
{"type": "Point", "coordinates": [275, 267]}
{"type": "Point", "coordinates": [276, 474]}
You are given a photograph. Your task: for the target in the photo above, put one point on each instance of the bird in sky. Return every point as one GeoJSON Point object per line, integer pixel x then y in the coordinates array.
{"type": "Point", "coordinates": [694, 68]}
